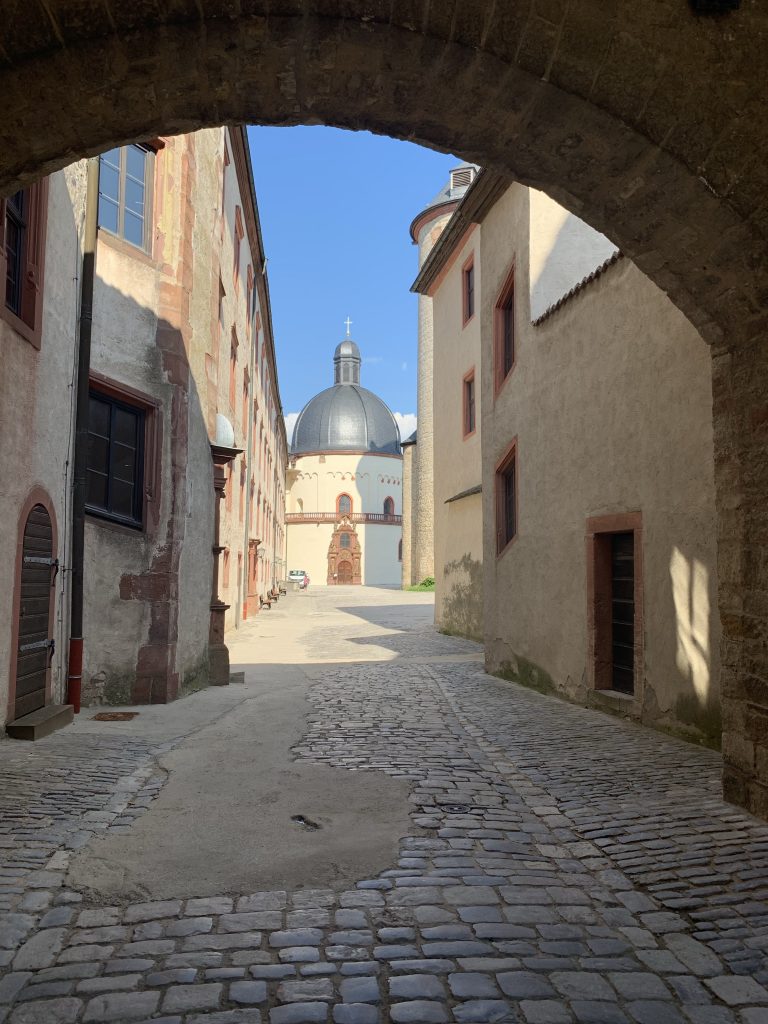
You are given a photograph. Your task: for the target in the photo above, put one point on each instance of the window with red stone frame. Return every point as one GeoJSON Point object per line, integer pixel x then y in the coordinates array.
{"type": "Point", "coordinates": [506, 498]}
{"type": "Point", "coordinates": [233, 369]}
{"type": "Point", "coordinates": [237, 246]}
{"type": "Point", "coordinates": [504, 353]}
{"type": "Point", "coordinates": [468, 290]}
{"type": "Point", "coordinates": [343, 505]}
{"type": "Point", "coordinates": [23, 218]}
{"type": "Point", "coordinates": [246, 390]}
{"type": "Point", "coordinates": [468, 404]}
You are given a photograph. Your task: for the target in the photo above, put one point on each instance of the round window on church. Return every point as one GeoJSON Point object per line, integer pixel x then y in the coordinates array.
{"type": "Point", "coordinates": [346, 541]}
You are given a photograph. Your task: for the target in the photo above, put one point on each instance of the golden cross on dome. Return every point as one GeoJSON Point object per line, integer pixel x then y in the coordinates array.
{"type": "Point", "coordinates": [348, 324]}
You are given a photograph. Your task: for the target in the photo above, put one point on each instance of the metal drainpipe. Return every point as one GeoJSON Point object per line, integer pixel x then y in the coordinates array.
{"type": "Point", "coordinates": [75, 676]}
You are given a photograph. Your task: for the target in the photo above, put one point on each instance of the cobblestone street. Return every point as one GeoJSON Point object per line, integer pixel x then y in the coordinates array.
{"type": "Point", "coordinates": [560, 865]}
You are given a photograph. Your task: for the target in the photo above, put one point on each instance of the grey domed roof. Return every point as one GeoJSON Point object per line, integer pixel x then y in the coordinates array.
{"type": "Point", "coordinates": [346, 417]}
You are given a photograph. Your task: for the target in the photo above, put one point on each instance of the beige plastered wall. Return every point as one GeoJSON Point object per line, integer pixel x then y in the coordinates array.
{"type": "Point", "coordinates": [124, 349]}
{"type": "Point", "coordinates": [410, 455]}
{"type": "Point", "coordinates": [458, 524]}
{"type": "Point", "coordinates": [35, 421]}
{"type": "Point", "coordinates": [422, 511]}
{"type": "Point", "coordinates": [611, 405]}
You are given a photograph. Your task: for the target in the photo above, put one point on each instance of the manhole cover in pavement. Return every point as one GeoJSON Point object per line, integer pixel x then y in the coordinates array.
{"type": "Point", "coordinates": [115, 716]}
{"type": "Point", "coordinates": [456, 808]}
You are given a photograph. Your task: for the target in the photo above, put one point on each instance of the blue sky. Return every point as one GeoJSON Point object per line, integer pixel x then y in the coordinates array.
{"type": "Point", "coordinates": [335, 209]}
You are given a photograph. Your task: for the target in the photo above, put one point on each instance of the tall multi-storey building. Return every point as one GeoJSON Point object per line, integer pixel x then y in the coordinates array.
{"type": "Point", "coordinates": [182, 397]}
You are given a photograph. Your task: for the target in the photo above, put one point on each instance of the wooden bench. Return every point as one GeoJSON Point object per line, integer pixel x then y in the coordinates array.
{"type": "Point", "coordinates": [264, 602]}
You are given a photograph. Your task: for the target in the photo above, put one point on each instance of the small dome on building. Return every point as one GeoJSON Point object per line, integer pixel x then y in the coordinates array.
{"type": "Point", "coordinates": [225, 432]}
{"type": "Point", "coordinates": [346, 417]}
{"type": "Point", "coordinates": [459, 180]}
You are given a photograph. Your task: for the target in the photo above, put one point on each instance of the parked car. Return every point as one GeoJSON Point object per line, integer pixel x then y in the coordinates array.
{"type": "Point", "coordinates": [298, 576]}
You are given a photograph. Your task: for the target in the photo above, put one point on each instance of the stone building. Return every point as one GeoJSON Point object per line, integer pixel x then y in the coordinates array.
{"type": "Point", "coordinates": [579, 523]}
{"type": "Point", "coordinates": [426, 228]}
{"type": "Point", "coordinates": [182, 374]}
{"type": "Point", "coordinates": [345, 483]}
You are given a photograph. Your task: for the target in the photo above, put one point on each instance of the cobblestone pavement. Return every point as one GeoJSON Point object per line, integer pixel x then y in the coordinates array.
{"type": "Point", "coordinates": [561, 866]}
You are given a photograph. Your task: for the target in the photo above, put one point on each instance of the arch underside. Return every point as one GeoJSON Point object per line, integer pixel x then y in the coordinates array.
{"type": "Point", "coordinates": [617, 114]}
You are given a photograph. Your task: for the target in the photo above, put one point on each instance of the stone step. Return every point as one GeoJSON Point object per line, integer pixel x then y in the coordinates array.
{"type": "Point", "coordinates": [41, 723]}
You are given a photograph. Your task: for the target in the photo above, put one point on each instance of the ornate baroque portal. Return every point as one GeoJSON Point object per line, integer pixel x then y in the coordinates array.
{"type": "Point", "coordinates": [344, 554]}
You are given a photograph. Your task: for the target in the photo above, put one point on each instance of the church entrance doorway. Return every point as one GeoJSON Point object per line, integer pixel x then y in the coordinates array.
{"type": "Point", "coordinates": [344, 573]}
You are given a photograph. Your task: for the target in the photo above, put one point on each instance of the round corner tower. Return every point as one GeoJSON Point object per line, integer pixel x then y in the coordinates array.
{"type": "Point", "coordinates": [418, 533]}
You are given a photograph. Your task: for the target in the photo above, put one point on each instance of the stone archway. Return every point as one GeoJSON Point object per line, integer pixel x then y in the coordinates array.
{"type": "Point", "coordinates": [645, 119]}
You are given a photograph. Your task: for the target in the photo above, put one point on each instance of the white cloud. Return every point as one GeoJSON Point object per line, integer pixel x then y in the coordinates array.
{"type": "Point", "coordinates": [406, 422]}
{"type": "Point", "coordinates": [290, 420]}
{"type": "Point", "coordinates": [404, 367]}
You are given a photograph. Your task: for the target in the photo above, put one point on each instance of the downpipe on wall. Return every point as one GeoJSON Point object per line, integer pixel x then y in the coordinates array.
{"type": "Point", "coordinates": [75, 673]}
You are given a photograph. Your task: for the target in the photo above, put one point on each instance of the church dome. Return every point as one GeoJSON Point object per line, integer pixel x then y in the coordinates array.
{"type": "Point", "coordinates": [346, 417]}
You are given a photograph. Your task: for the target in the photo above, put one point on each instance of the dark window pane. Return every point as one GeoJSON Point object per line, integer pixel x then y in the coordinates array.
{"type": "Point", "coordinates": [98, 416]}
{"type": "Point", "coordinates": [124, 463]}
{"type": "Point", "coordinates": [108, 215]}
{"type": "Point", "coordinates": [15, 244]}
{"type": "Point", "coordinates": [345, 541]}
{"type": "Point", "coordinates": [508, 502]}
{"type": "Point", "coordinates": [126, 426]}
{"type": "Point", "coordinates": [509, 338]}
{"type": "Point", "coordinates": [345, 505]}
{"type": "Point", "coordinates": [469, 284]}
{"type": "Point", "coordinates": [114, 459]}
{"type": "Point", "coordinates": [96, 492]}
{"type": "Point", "coordinates": [121, 499]}
{"type": "Point", "coordinates": [98, 453]}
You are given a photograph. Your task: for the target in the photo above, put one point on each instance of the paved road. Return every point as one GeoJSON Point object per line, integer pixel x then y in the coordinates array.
{"type": "Point", "coordinates": [557, 865]}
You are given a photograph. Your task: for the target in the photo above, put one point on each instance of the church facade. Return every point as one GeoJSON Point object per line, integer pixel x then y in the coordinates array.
{"type": "Point", "coordinates": [344, 484]}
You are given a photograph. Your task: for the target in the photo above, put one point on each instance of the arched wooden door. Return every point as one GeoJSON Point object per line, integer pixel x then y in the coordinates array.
{"type": "Point", "coordinates": [344, 571]}
{"type": "Point", "coordinates": [35, 645]}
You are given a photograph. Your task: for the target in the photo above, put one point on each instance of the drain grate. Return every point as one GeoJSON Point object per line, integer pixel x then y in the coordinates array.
{"type": "Point", "coordinates": [115, 716]}
{"type": "Point", "coordinates": [457, 808]}
{"type": "Point", "coordinates": [304, 822]}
